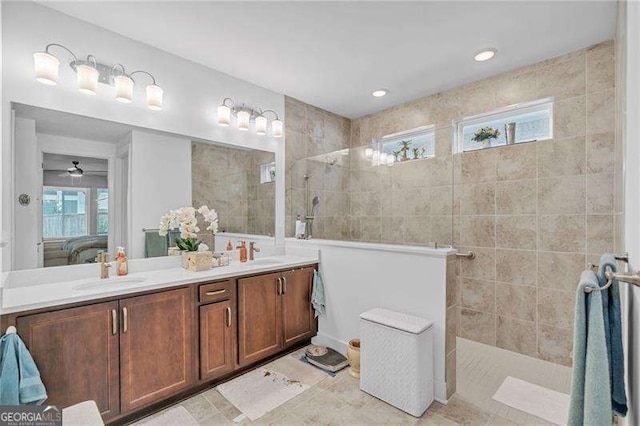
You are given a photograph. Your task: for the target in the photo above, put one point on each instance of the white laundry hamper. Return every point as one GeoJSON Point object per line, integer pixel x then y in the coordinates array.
{"type": "Point", "coordinates": [396, 359]}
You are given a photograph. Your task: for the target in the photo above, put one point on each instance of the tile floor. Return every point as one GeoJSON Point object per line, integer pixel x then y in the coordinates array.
{"type": "Point", "coordinates": [339, 401]}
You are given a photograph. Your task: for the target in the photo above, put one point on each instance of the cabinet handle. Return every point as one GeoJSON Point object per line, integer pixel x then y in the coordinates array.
{"type": "Point", "coordinates": [228, 316]}
{"type": "Point", "coordinates": [279, 287]}
{"type": "Point", "coordinates": [125, 320]}
{"type": "Point", "coordinates": [114, 322]}
{"type": "Point", "coordinates": [284, 285]}
{"type": "Point", "coordinates": [213, 293]}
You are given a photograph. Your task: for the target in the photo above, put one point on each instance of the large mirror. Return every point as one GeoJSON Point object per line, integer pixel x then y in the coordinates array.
{"type": "Point", "coordinates": [84, 185]}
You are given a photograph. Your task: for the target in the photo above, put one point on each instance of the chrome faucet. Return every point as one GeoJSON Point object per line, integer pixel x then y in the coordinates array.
{"type": "Point", "coordinates": [252, 250]}
{"type": "Point", "coordinates": [103, 259]}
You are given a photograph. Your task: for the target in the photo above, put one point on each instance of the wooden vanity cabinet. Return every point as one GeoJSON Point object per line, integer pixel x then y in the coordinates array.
{"type": "Point", "coordinates": [274, 312]}
{"type": "Point", "coordinates": [77, 353]}
{"type": "Point", "coordinates": [217, 339]}
{"type": "Point", "coordinates": [156, 339]}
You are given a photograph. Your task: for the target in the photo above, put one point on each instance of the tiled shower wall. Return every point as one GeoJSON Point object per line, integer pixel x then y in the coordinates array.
{"type": "Point", "coordinates": [228, 180]}
{"type": "Point", "coordinates": [534, 213]}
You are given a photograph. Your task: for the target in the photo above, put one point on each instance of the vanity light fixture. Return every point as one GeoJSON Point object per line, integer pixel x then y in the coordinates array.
{"type": "Point", "coordinates": [368, 152]}
{"type": "Point", "coordinates": [91, 72]}
{"type": "Point", "coordinates": [485, 55]}
{"type": "Point", "coordinates": [380, 93]}
{"type": "Point", "coordinates": [245, 115]}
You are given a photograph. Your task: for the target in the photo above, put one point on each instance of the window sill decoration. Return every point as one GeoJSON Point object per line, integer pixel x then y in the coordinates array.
{"type": "Point", "coordinates": [90, 73]}
{"type": "Point", "coordinates": [410, 145]}
{"type": "Point", "coordinates": [520, 123]}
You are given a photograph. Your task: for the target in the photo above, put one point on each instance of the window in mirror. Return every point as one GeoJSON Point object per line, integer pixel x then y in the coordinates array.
{"type": "Point", "coordinates": [64, 212]}
{"type": "Point", "coordinates": [102, 201]}
{"type": "Point", "coordinates": [268, 172]}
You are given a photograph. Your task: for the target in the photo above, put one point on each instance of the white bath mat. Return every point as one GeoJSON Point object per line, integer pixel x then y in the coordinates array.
{"type": "Point", "coordinates": [262, 390]}
{"type": "Point", "coordinates": [177, 415]}
{"type": "Point", "coordinates": [541, 402]}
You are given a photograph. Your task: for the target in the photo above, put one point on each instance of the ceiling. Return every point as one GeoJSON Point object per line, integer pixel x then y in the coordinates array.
{"type": "Point", "coordinates": [57, 123]}
{"type": "Point", "coordinates": [334, 54]}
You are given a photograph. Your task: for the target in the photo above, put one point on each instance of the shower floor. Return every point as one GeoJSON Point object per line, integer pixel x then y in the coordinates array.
{"type": "Point", "coordinates": [481, 369]}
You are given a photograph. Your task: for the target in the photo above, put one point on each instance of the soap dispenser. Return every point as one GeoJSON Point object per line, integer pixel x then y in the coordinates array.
{"type": "Point", "coordinates": [122, 263]}
{"type": "Point", "coordinates": [243, 251]}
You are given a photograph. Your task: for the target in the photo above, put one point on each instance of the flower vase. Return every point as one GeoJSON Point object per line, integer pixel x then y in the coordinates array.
{"type": "Point", "coordinates": [486, 143]}
{"type": "Point", "coordinates": [196, 261]}
{"type": "Point", "coordinates": [353, 355]}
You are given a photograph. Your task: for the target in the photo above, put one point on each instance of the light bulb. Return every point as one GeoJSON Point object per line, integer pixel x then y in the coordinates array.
{"type": "Point", "coordinates": [276, 128]}
{"type": "Point", "coordinates": [154, 97]}
{"type": "Point", "coordinates": [368, 152]}
{"type": "Point", "coordinates": [224, 115]}
{"type": "Point", "coordinates": [243, 120]}
{"type": "Point", "coordinates": [46, 67]}
{"type": "Point", "coordinates": [124, 88]}
{"type": "Point", "coordinates": [87, 79]}
{"type": "Point", "coordinates": [261, 125]}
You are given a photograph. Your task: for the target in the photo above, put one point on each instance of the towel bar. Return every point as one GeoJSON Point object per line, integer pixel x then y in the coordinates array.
{"type": "Point", "coordinates": [612, 276]}
{"type": "Point", "coordinates": [468, 255]}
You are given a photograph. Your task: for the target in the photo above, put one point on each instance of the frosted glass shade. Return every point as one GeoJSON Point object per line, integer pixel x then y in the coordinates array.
{"type": "Point", "coordinates": [154, 97]}
{"type": "Point", "coordinates": [224, 115]}
{"type": "Point", "coordinates": [261, 125]}
{"type": "Point", "coordinates": [243, 120]}
{"type": "Point", "coordinates": [276, 128]}
{"type": "Point", "coordinates": [368, 152]}
{"type": "Point", "coordinates": [124, 89]}
{"type": "Point", "coordinates": [46, 67]}
{"type": "Point", "coordinates": [87, 79]}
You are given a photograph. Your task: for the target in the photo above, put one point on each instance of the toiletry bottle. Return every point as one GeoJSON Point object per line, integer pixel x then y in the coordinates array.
{"type": "Point", "coordinates": [298, 227]}
{"type": "Point", "coordinates": [229, 245]}
{"type": "Point", "coordinates": [122, 264]}
{"type": "Point", "coordinates": [243, 251]}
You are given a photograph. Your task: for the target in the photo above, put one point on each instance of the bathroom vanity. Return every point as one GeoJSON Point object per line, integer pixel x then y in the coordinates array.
{"type": "Point", "coordinates": [137, 342]}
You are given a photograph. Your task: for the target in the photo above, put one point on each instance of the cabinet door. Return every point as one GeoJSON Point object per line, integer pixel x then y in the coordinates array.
{"type": "Point", "coordinates": [297, 313]}
{"type": "Point", "coordinates": [155, 347]}
{"type": "Point", "coordinates": [217, 322]}
{"type": "Point", "coordinates": [259, 318]}
{"type": "Point", "coordinates": [76, 352]}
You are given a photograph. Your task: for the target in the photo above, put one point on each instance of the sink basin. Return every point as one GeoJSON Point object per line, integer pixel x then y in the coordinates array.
{"type": "Point", "coordinates": [267, 262]}
{"type": "Point", "coordinates": [109, 283]}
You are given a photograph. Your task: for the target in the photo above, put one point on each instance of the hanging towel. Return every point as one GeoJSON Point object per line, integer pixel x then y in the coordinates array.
{"type": "Point", "coordinates": [155, 245]}
{"type": "Point", "coordinates": [590, 403]}
{"type": "Point", "coordinates": [19, 377]}
{"type": "Point", "coordinates": [317, 295]}
{"type": "Point", "coordinates": [613, 335]}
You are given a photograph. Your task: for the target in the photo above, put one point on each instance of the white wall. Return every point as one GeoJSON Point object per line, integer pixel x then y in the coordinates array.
{"type": "Point", "coordinates": [631, 135]}
{"type": "Point", "coordinates": [360, 276]}
{"type": "Point", "coordinates": [27, 177]}
{"type": "Point", "coordinates": [192, 91]}
{"type": "Point", "coordinates": [160, 180]}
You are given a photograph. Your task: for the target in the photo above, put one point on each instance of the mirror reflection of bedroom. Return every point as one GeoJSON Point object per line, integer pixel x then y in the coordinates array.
{"type": "Point", "coordinates": [75, 209]}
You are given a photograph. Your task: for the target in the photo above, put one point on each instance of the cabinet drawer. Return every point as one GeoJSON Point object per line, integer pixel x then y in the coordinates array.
{"type": "Point", "coordinates": [213, 292]}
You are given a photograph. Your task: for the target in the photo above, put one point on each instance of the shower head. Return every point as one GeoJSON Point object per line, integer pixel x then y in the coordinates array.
{"type": "Point", "coordinates": [314, 204]}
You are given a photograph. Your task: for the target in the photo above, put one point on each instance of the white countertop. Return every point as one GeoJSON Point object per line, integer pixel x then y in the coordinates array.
{"type": "Point", "coordinates": [21, 296]}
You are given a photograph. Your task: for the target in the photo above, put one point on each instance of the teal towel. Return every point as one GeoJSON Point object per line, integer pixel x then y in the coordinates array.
{"type": "Point", "coordinates": [590, 403]}
{"type": "Point", "coordinates": [155, 245]}
{"type": "Point", "coordinates": [317, 295]}
{"type": "Point", "coordinates": [613, 334]}
{"type": "Point", "coordinates": [19, 377]}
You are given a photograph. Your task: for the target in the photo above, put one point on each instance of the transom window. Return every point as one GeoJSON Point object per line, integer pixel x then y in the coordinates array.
{"type": "Point", "coordinates": [404, 146]}
{"type": "Point", "coordinates": [527, 122]}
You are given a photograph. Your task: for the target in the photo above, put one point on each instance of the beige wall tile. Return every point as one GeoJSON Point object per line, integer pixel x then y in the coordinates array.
{"type": "Point", "coordinates": [600, 152]}
{"type": "Point", "coordinates": [442, 229]}
{"type": "Point", "coordinates": [475, 166]}
{"type": "Point", "coordinates": [370, 229]}
{"type": "Point", "coordinates": [555, 308]}
{"type": "Point", "coordinates": [450, 373]}
{"type": "Point", "coordinates": [392, 229]}
{"type": "Point", "coordinates": [561, 157]}
{"type": "Point", "coordinates": [601, 112]}
{"type": "Point", "coordinates": [482, 267]}
{"type": "Point", "coordinates": [452, 283]}
{"type": "Point", "coordinates": [516, 335]}
{"type": "Point", "coordinates": [451, 329]}
{"type": "Point", "coordinates": [562, 195]}
{"type": "Point", "coordinates": [600, 234]}
{"type": "Point", "coordinates": [517, 232]}
{"type": "Point", "coordinates": [417, 229]}
{"type": "Point", "coordinates": [516, 87]}
{"type": "Point", "coordinates": [563, 80]}
{"type": "Point", "coordinates": [441, 200]}
{"type": "Point", "coordinates": [516, 162]}
{"type": "Point", "coordinates": [516, 301]}
{"type": "Point", "coordinates": [477, 199]}
{"type": "Point", "coordinates": [564, 233]}
{"type": "Point", "coordinates": [479, 295]}
{"type": "Point", "coordinates": [478, 326]}
{"type": "Point", "coordinates": [569, 118]}
{"type": "Point", "coordinates": [600, 189]}
{"type": "Point", "coordinates": [517, 197]}
{"type": "Point", "coordinates": [555, 344]}
{"type": "Point", "coordinates": [516, 266]}
{"type": "Point", "coordinates": [600, 69]}
{"type": "Point", "coordinates": [560, 271]}
{"type": "Point", "coordinates": [477, 231]}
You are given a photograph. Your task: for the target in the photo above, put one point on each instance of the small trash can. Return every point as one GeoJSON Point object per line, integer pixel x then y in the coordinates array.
{"type": "Point", "coordinates": [396, 359]}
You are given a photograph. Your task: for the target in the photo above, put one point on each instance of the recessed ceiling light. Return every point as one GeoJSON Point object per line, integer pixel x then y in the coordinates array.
{"type": "Point", "coordinates": [380, 93]}
{"type": "Point", "coordinates": [485, 55]}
